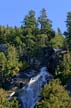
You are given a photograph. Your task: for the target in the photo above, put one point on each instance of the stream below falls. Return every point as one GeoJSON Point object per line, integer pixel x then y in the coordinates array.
{"type": "Point", "coordinates": [30, 94]}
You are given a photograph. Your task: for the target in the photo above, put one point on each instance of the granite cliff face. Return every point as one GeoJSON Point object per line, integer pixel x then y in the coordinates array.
{"type": "Point", "coordinates": [45, 57]}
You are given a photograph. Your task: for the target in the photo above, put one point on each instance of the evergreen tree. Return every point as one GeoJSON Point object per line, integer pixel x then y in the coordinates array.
{"type": "Point", "coordinates": [58, 40]}
{"type": "Point", "coordinates": [30, 23]}
{"type": "Point", "coordinates": [45, 23]}
{"type": "Point", "coordinates": [54, 95]}
{"type": "Point", "coordinates": [3, 61]}
{"type": "Point", "coordinates": [68, 32]}
{"type": "Point", "coordinates": [12, 65]}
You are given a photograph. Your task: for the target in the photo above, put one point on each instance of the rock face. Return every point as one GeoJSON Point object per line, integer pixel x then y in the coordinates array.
{"type": "Point", "coordinates": [3, 47]}
{"type": "Point", "coordinates": [49, 59]}
{"type": "Point", "coordinates": [45, 57]}
{"type": "Point", "coordinates": [68, 86]}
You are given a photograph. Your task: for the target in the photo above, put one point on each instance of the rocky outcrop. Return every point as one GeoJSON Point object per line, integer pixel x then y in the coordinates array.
{"type": "Point", "coordinates": [44, 56]}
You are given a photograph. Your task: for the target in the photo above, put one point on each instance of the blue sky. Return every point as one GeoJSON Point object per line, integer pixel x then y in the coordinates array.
{"type": "Point", "coordinates": [12, 12]}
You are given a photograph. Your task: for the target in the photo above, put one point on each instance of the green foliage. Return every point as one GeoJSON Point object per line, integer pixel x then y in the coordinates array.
{"type": "Point", "coordinates": [54, 95]}
{"type": "Point", "coordinates": [2, 61]}
{"type": "Point", "coordinates": [68, 32]}
{"type": "Point", "coordinates": [41, 40]}
{"type": "Point", "coordinates": [12, 60]}
{"type": "Point", "coordinates": [5, 103]}
{"type": "Point", "coordinates": [45, 23]}
{"type": "Point", "coordinates": [63, 70]}
{"type": "Point", "coordinates": [3, 73]}
{"type": "Point", "coordinates": [30, 23]}
{"type": "Point", "coordinates": [25, 65]}
{"type": "Point", "coordinates": [57, 41]}
{"type": "Point", "coordinates": [9, 64]}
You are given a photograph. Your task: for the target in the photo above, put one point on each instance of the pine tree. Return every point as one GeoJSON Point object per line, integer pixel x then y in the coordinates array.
{"type": "Point", "coordinates": [68, 32]}
{"type": "Point", "coordinates": [30, 23]}
{"type": "Point", "coordinates": [54, 95]}
{"type": "Point", "coordinates": [45, 23]}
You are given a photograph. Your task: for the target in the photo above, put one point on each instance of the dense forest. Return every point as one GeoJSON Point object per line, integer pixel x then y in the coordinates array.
{"type": "Point", "coordinates": [33, 45]}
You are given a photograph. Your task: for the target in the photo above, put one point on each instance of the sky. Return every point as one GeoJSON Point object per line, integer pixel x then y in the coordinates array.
{"type": "Point", "coordinates": [12, 12]}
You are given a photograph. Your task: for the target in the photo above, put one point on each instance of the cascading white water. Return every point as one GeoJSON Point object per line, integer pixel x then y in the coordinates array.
{"type": "Point", "coordinates": [30, 95]}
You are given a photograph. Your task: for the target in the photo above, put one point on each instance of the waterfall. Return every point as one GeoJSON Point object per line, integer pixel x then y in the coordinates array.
{"type": "Point", "coordinates": [30, 95]}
